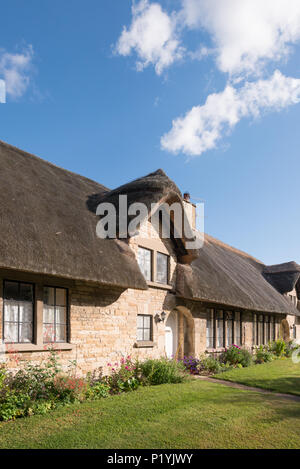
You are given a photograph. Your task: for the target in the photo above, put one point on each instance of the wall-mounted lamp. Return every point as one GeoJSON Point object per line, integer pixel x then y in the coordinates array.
{"type": "Point", "coordinates": [160, 317]}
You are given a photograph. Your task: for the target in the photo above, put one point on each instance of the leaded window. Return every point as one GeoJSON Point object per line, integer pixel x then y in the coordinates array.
{"type": "Point", "coordinates": [162, 268]}
{"type": "Point", "coordinates": [145, 262]}
{"type": "Point", "coordinates": [18, 312]}
{"type": "Point", "coordinates": [55, 315]}
{"type": "Point", "coordinates": [144, 327]}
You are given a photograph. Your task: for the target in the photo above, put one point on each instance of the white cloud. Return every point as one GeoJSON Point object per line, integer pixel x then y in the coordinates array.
{"type": "Point", "coordinates": [15, 70]}
{"type": "Point", "coordinates": [246, 33]}
{"type": "Point", "coordinates": [2, 92]}
{"type": "Point", "coordinates": [152, 35]}
{"type": "Point", "coordinates": [203, 126]}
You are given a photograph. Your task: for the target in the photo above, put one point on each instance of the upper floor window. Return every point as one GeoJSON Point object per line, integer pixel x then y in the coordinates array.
{"type": "Point", "coordinates": [145, 262]}
{"type": "Point", "coordinates": [18, 312]}
{"type": "Point", "coordinates": [162, 268]}
{"type": "Point", "coordinates": [55, 315]}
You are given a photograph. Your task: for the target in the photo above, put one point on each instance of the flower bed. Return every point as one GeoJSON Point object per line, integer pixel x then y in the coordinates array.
{"type": "Point", "coordinates": [37, 389]}
{"type": "Point", "coordinates": [237, 357]}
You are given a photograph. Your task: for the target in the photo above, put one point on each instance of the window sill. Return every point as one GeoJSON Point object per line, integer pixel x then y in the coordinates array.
{"type": "Point", "coordinates": [12, 348]}
{"type": "Point", "coordinates": [162, 286]}
{"type": "Point", "coordinates": [215, 350]}
{"type": "Point", "coordinates": [144, 344]}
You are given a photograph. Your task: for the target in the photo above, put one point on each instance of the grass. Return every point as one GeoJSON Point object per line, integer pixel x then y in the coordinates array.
{"type": "Point", "coordinates": [281, 375]}
{"type": "Point", "coordinates": [196, 414]}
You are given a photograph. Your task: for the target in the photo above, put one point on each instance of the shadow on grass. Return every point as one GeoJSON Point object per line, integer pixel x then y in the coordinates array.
{"type": "Point", "coordinates": [286, 385]}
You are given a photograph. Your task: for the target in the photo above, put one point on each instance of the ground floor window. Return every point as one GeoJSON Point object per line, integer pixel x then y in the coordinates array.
{"type": "Point", "coordinates": [144, 327]}
{"type": "Point", "coordinates": [223, 328]}
{"type": "Point", "coordinates": [264, 329]}
{"type": "Point", "coordinates": [18, 312]}
{"type": "Point", "coordinates": [55, 315]}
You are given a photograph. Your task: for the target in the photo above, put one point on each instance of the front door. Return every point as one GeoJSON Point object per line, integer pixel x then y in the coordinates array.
{"type": "Point", "coordinates": [171, 341]}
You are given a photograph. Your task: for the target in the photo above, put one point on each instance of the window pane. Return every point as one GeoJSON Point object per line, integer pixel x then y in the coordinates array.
{"type": "Point", "coordinates": [25, 332]}
{"type": "Point", "coordinates": [147, 322]}
{"type": "Point", "coordinates": [229, 327]}
{"type": "Point", "coordinates": [139, 335]}
{"type": "Point", "coordinates": [48, 333]}
{"type": "Point", "coordinates": [11, 311]}
{"type": "Point", "coordinates": [48, 314]}
{"type": "Point", "coordinates": [11, 290]}
{"type": "Point", "coordinates": [220, 329]}
{"type": "Point", "coordinates": [144, 261]}
{"type": "Point", "coordinates": [146, 334]}
{"type": "Point", "coordinates": [49, 296]}
{"type": "Point", "coordinates": [25, 312]}
{"type": "Point", "coordinates": [209, 329]}
{"type": "Point", "coordinates": [60, 315]}
{"type": "Point", "coordinates": [61, 297]}
{"type": "Point", "coordinates": [60, 333]}
{"type": "Point", "coordinates": [26, 292]}
{"type": "Point", "coordinates": [11, 332]}
{"type": "Point", "coordinates": [162, 268]}
{"type": "Point", "coordinates": [237, 339]}
{"type": "Point", "coordinates": [260, 330]}
{"type": "Point", "coordinates": [140, 321]}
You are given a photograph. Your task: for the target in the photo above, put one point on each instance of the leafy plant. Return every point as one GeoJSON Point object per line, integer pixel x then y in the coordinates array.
{"type": "Point", "coordinates": [123, 376]}
{"type": "Point", "coordinates": [278, 347]}
{"type": "Point", "coordinates": [263, 355]}
{"type": "Point", "coordinates": [235, 355]}
{"type": "Point", "coordinates": [161, 371]}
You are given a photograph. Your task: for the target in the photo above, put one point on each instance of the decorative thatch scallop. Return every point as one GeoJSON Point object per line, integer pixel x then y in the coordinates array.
{"type": "Point", "coordinates": [284, 277]}
{"type": "Point", "coordinates": [151, 190]}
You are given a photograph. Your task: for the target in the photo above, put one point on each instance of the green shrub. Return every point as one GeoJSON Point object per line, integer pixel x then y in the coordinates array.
{"type": "Point", "coordinates": [13, 404]}
{"type": "Point", "coordinates": [97, 391]}
{"type": "Point", "coordinates": [235, 355]}
{"type": "Point", "coordinates": [263, 355]}
{"type": "Point", "coordinates": [278, 347]}
{"type": "Point", "coordinates": [211, 365]}
{"type": "Point", "coordinates": [161, 371]}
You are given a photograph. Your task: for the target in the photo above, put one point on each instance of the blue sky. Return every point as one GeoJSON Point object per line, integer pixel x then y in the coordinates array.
{"type": "Point", "coordinates": [94, 100]}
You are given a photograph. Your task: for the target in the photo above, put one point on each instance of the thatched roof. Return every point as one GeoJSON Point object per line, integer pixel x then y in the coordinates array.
{"type": "Point", "coordinates": [284, 277]}
{"type": "Point", "coordinates": [153, 189]}
{"type": "Point", "coordinates": [232, 278]}
{"type": "Point", "coordinates": [46, 226]}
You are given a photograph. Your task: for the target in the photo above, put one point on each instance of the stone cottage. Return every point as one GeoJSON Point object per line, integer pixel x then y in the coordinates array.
{"type": "Point", "coordinates": [96, 300]}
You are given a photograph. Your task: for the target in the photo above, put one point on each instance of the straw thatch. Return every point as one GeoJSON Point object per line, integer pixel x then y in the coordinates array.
{"type": "Point", "coordinates": [151, 190]}
{"type": "Point", "coordinates": [232, 278]}
{"type": "Point", "coordinates": [284, 277]}
{"type": "Point", "coordinates": [47, 228]}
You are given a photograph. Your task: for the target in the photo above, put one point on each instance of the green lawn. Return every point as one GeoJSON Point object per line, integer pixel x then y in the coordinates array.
{"type": "Point", "coordinates": [280, 375]}
{"type": "Point", "coordinates": [196, 414]}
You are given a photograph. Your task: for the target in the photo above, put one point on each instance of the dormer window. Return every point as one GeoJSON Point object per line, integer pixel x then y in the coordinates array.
{"type": "Point", "coordinates": [145, 262]}
{"type": "Point", "coordinates": [162, 268]}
